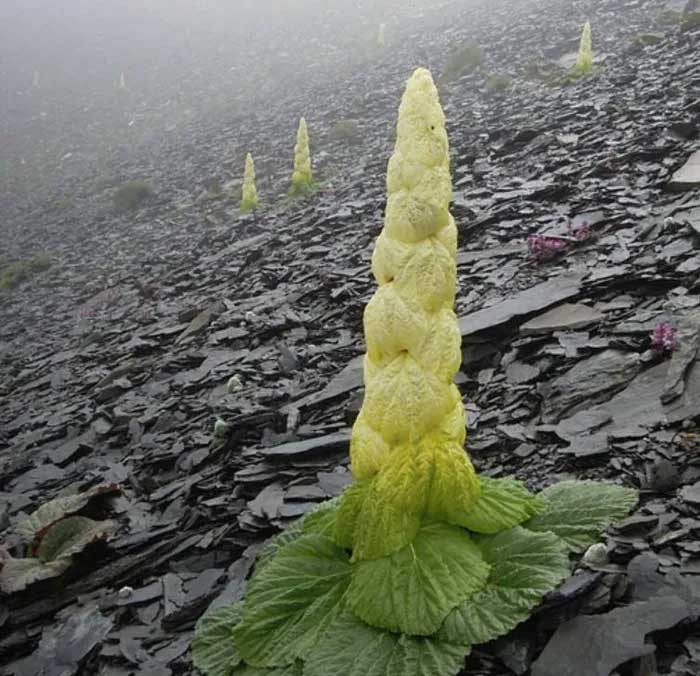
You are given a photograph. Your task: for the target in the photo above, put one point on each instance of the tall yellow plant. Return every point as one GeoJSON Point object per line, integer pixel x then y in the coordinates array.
{"type": "Point", "coordinates": [302, 179]}
{"type": "Point", "coordinates": [584, 61]}
{"type": "Point", "coordinates": [409, 436]}
{"type": "Point", "coordinates": [419, 559]}
{"type": "Point", "coordinates": [249, 199]}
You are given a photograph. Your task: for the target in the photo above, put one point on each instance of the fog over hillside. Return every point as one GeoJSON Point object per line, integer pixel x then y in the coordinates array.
{"type": "Point", "coordinates": [349, 338]}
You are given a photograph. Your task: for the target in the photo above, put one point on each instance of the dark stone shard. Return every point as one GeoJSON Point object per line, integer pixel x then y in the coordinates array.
{"type": "Point", "coordinates": [638, 405]}
{"type": "Point", "coordinates": [687, 177]}
{"type": "Point", "coordinates": [142, 595]}
{"type": "Point", "coordinates": [691, 494]}
{"type": "Point", "coordinates": [237, 578]}
{"type": "Point", "coordinates": [325, 444]}
{"type": "Point", "coordinates": [305, 493]}
{"type": "Point", "coordinates": [519, 373]}
{"type": "Point", "coordinates": [268, 502]}
{"type": "Point", "coordinates": [564, 317]}
{"type": "Point", "coordinates": [526, 302]}
{"type": "Point", "coordinates": [684, 406]}
{"type": "Point", "coordinates": [604, 372]}
{"type": "Point", "coordinates": [596, 645]}
{"type": "Point", "coordinates": [333, 483]}
{"type": "Point", "coordinates": [66, 643]}
{"type": "Point", "coordinates": [663, 476]}
{"type": "Point", "coordinates": [572, 588]}
{"type": "Point", "coordinates": [635, 524]}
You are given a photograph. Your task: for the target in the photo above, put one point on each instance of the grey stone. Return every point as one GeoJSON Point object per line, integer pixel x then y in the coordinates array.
{"type": "Point", "coordinates": [600, 373]}
{"type": "Point", "coordinates": [534, 299]}
{"type": "Point", "coordinates": [688, 176]}
{"type": "Point", "coordinates": [563, 317]}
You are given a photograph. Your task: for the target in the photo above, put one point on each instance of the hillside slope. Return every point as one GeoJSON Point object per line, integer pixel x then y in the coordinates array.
{"type": "Point", "coordinates": [115, 361]}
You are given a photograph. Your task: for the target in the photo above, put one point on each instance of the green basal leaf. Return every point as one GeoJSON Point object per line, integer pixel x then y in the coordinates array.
{"type": "Point", "coordinates": [18, 574]}
{"type": "Point", "coordinates": [296, 669]}
{"type": "Point", "coordinates": [320, 521]}
{"type": "Point", "coordinates": [352, 648]}
{"type": "Point", "coordinates": [291, 601]}
{"type": "Point", "coordinates": [413, 590]}
{"type": "Point", "coordinates": [350, 505]}
{"type": "Point", "coordinates": [579, 511]}
{"type": "Point", "coordinates": [524, 567]}
{"type": "Point", "coordinates": [70, 536]}
{"type": "Point", "coordinates": [213, 651]}
{"type": "Point", "coordinates": [503, 504]}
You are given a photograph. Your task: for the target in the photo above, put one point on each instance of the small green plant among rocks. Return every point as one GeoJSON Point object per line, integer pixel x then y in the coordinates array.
{"type": "Point", "coordinates": [498, 82]}
{"type": "Point", "coordinates": [461, 60]}
{"type": "Point", "coordinates": [132, 195]}
{"type": "Point", "coordinates": [13, 274]}
{"type": "Point", "coordinates": [346, 131]}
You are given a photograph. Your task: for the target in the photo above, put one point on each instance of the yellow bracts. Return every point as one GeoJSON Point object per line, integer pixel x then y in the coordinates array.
{"type": "Point", "coordinates": [302, 180]}
{"type": "Point", "coordinates": [407, 441]}
{"type": "Point", "coordinates": [249, 199]}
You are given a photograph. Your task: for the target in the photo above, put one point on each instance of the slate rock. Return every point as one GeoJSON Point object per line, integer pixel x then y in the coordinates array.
{"type": "Point", "coordinates": [595, 645]}
{"type": "Point", "coordinates": [526, 302]}
{"type": "Point", "coordinates": [606, 371]}
{"type": "Point", "coordinates": [688, 176]}
{"type": "Point", "coordinates": [691, 494]}
{"type": "Point", "coordinates": [567, 316]}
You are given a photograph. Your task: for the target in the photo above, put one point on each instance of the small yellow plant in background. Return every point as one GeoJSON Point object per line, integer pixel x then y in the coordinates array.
{"type": "Point", "coordinates": [302, 179]}
{"type": "Point", "coordinates": [584, 60]}
{"type": "Point", "coordinates": [249, 199]}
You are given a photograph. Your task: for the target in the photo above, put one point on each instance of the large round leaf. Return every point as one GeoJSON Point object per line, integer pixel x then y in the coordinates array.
{"type": "Point", "coordinates": [524, 567]}
{"type": "Point", "coordinates": [578, 511]}
{"type": "Point", "coordinates": [503, 504]}
{"type": "Point", "coordinates": [352, 648]}
{"type": "Point", "coordinates": [291, 601]}
{"type": "Point", "coordinates": [213, 651]}
{"type": "Point", "coordinates": [412, 590]}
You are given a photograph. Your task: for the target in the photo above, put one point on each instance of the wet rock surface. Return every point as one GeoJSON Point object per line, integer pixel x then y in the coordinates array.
{"type": "Point", "coordinates": [115, 364]}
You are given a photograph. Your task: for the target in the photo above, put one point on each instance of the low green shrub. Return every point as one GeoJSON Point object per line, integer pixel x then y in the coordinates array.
{"type": "Point", "coordinates": [132, 195]}
{"type": "Point", "coordinates": [13, 274]}
{"type": "Point", "coordinates": [498, 82]}
{"type": "Point", "coordinates": [346, 131]}
{"type": "Point", "coordinates": [461, 60]}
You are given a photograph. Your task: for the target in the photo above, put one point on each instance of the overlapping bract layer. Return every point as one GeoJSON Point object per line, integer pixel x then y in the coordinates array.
{"type": "Point", "coordinates": [249, 200]}
{"type": "Point", "coordinates": [408, 438]}
{"type": "Point", "coordinates": [302, 179]}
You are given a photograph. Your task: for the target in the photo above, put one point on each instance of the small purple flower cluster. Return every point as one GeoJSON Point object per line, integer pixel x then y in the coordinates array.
{"type": "Point", "coordinates": [581, 232]}
{"type": "Point", "coordinates": [544, 248]}
{"type": "Point", "coordinates": [664, 337]}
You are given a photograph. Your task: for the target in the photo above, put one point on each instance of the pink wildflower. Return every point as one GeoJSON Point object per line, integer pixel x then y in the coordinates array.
{"type": "Point", "coordinates": [664, 337]}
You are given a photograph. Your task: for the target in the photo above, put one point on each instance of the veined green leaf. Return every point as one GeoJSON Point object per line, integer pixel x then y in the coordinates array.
{"type": "Point", "coordinates": [18, 574]}
{"type": "Point", "coordinates": [524, 567]}
{"type": "Point", "coordinates": [503, 504]}
{"type": "Point", "coordinates": [413, 590]}
{"type": "Point", "coordinates": [350, 505]}
{"type": "Point", "coordinates": [352, 648]}
{"type": "Point", "coordinates": [70, 536]}
{"type": "Point", "coordinates": [291, 601]}
{"type": "Point", "coordinates": [213, 651]}
{"type": "Point", "coordinates": [320, 521]}
{"type": "Point", "coordinates": [578, 511]}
